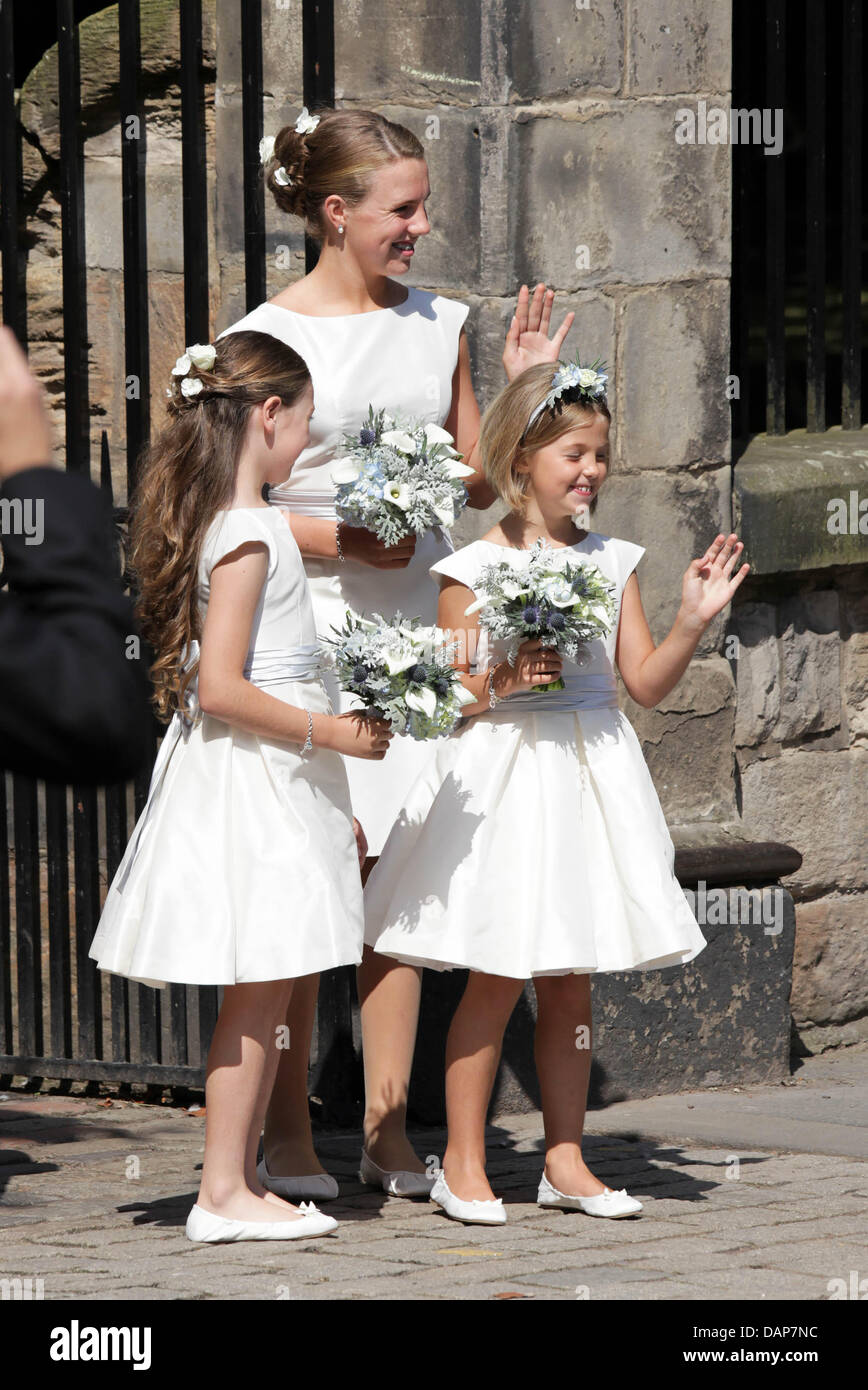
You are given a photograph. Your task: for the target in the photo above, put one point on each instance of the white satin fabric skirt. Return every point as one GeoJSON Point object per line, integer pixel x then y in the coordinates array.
{"type": "Point", "coordinates": [532, 845]}
{"type": "Point", "coordinates": [243, 864]}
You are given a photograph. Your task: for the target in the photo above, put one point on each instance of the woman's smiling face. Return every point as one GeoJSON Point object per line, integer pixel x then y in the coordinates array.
{"type": "Point", "coordinates": [383, 228]}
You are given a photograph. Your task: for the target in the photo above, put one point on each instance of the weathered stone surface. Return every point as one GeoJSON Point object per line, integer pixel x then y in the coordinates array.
{"type": "Point", "coordinates": [756, 666]}
{"type": "Point", "coordinates": [810, 665]}
{"type": "Point", "coordinates": [430, 52]}
{"type": "Point", "coordinates": [675, 517]}
{"type": "Point", "coordinates": [613, 180]}
{"type": "Point", "coordinates": [570, 49]}
{"type": "Point", "coordinates": [830, 964]}
{"type": "Point", "coordinates": [687, 743]}
{"type": "Point", "coordinates": [674, 361]}
{"type": "Point", "coordinates": [99, 63]}
{"type": "Point", "coordinates": [678, 48]}
{"type": "Point", "coordinates": [449, 255]}
{"type": "Point", "coordinates": [790, 491]}
{"type": "Point", "coordinates": [854, 657]}
{"type": "Point", "coordinates": [816, 801]}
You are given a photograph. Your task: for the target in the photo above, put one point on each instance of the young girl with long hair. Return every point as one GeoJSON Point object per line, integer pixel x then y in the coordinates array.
{"type": "Point", "coordinates": [243, 868]}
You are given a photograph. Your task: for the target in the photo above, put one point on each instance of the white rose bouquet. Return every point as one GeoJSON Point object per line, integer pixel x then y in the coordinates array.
{"type": "Point", "coordinates": [399, 671]}
{"type": "Point", "coordinates": [563, 602]}
{"type": "Point", "coordinates": [397, 479]}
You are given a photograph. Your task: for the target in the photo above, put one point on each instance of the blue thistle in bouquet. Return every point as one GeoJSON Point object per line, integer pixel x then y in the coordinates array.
{"type": "Point", "coordinates": [394, 479]}
{"type": "Point", "coordinates": [399, 671]}
{"type": "Point", "coordinates": [563, 602]}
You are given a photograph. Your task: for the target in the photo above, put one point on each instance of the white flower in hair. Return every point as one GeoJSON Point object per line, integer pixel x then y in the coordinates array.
{"type": "Point", "coordinates": [282, 177]}
{"type": "Point", "coordinates": [191, 386]}
{"type": "Point", "coordinates": [182, 365]}
{"type": "Point", "coordinates": [202, 355]}
{"type": "Point", "coordinates": [306, 122]}
{"type": "Point", "coordinates": [573, 382]}
{"type": "Point", "coordinates": [266, 149]}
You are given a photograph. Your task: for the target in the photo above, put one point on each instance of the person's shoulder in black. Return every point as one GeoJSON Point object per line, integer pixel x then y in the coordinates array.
{"type": "Point", "coordinates": [74, 693]}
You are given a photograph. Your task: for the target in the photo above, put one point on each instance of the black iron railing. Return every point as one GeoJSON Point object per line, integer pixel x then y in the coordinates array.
{"type": "Point", "coordinates": [799, 230]}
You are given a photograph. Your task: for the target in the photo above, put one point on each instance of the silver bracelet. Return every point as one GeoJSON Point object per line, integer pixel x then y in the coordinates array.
{"type": "Point", "coordinates": [308, 743]}
{"type": "Point", "coordinates": [338, 539]}
{"type": "Point", "coordinates": [492, 698]}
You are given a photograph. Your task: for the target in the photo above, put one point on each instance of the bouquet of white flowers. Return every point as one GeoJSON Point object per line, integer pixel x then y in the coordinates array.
{"type": "Point", "coordinates": [555, 598]}
{"type": "Point", "coordinates": [400, 671]}
{"type": "Point", "coordinates": [395, 480]}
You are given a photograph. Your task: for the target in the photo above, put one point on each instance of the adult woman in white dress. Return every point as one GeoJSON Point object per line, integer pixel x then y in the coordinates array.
{"type": "Point", "coordinates": [360, 183]}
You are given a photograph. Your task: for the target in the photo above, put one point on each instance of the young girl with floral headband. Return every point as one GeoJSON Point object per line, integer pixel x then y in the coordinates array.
{"type": "Point", "coordinates": [243, 868]}
{"type": "Point", "coordinates": [534, 846]}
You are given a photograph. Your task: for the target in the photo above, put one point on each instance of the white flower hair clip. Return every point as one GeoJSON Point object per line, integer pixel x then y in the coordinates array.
{"type": "Point", "coordinates": [306, 122]}
{"type": "Point", "coordinates": [198, 355]}
{"type": "Point", "coordinates": [266, 149]}
{"type": "Point", "coordinates": [572, 382]}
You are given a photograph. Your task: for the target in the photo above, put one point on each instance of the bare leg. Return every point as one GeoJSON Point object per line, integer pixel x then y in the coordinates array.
{"type": "Point", "coordinates": [472, 1054]}
{"type": "Point", "coordinates": [242, 1062]}
{"type": "Point", "coordinates": [389, 995]}
{"type": "Point", "coordinates": [288, 1140]}
{"type": "Point", "coordinates": [562, 1050]}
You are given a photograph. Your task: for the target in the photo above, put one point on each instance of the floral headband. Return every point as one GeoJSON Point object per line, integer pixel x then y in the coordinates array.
{"type": "Point", "coordinates": [199, 355]}
{"type": "Point", "coordinates": [572, 382]}
{"type": "Point", "coordinates": [303, 126]}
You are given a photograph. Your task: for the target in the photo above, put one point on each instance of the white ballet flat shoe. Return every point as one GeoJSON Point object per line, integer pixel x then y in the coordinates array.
{"type": "Point", "coordinates": [204, 1225]}
{"type": "Point", "coordinates": [608, 1203]}
{"type": "Point", "coordinates": [475, 1212]}
{"type": "Point", "coordinates": [400, 1183]}
{"type": "Point", "coordinates": [319, 1185]}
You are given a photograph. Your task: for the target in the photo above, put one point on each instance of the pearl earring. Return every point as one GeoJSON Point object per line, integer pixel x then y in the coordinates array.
{"type": "Point", "coordinates": [341, 227]}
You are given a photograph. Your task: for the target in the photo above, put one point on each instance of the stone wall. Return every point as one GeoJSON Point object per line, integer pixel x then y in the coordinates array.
{"type": "Point", "coordinates": [801, 746]}
{"type": "Point", "coordinates": [549, 132]}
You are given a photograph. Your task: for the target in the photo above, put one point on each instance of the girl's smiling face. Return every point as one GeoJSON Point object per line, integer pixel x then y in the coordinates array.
{"type": "Point", "coordinates": [569, 472]}
{"type": "Point", "coordinates": [382, 230]}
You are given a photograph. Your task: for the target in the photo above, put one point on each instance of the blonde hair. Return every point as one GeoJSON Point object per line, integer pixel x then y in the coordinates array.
{"type": "Point", "coordinates": [339, 156]}
{"type": "Point", "coordinates": [505, 439]}
{"type": "Point", "coordinates": [186, 476]}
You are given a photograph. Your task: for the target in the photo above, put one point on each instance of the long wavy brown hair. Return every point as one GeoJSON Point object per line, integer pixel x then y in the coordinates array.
{"type": "Point", "coordinates": [186, 476]}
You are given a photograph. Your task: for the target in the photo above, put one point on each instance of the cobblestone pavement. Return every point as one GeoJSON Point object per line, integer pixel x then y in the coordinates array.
{"type": "Point", "coordinates": [751, 1193]}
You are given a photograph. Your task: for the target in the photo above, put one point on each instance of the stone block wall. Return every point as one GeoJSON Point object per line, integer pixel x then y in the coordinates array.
{"type": "Point", "coordinates": [800, 665]}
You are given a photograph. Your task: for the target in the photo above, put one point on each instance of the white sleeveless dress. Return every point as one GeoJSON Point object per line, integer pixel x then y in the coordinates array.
{"type": "Point", "coordinates": [243, 864]}
{"type": "Point", "coordinates": [534, 843]}
{"type": "Point", "coordinates": [401, 359]}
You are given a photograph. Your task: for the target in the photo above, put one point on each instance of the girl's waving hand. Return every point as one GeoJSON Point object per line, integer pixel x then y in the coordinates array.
{"type": "Point", "coordinates": [650, 672]}
{"type": "Point", "coordinates": [709, 583]}
{"type": "Point", "coordinates": [528, 341]}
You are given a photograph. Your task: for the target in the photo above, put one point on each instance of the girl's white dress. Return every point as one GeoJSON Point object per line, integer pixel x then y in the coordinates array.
{"type": "Point", "coordinates": [401, 359]}
{"type": "Point", "coordinates": [534, 843]}
{"type": "Point", "coordinates": [243, 864]}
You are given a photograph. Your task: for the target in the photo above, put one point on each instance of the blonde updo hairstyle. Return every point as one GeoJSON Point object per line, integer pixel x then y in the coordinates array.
{"type": "Point", "coordinates": [505, 440]}
{"type": "Point", "coordinates": [339, 156]}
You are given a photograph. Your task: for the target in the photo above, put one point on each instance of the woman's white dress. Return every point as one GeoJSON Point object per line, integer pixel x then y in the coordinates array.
{"type": "Point", "coordinates": [534, 843]}
{"type": "Point", "coordinates": [243, 864]}
{"type": "Point", "coordinates": [401, 359]}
